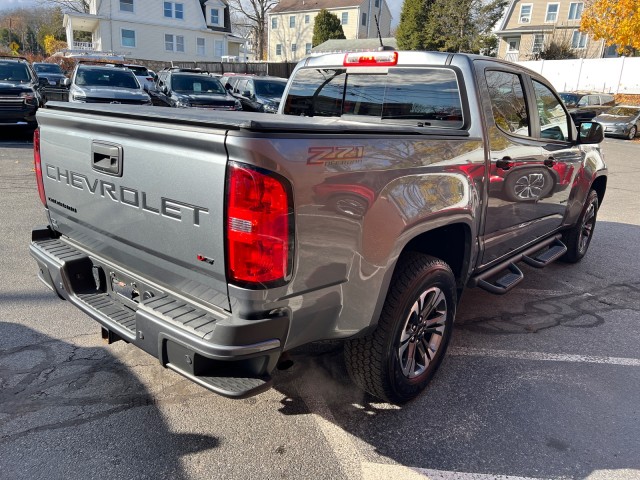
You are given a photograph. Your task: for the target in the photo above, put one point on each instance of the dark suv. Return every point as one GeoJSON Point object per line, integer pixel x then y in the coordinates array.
{"type": "Point", "coordinates": [583, 107]}
{"type": "Point", "coordinates": [20, 92]}
{"type": "Point", "coordinates": [192, 88]}
{"type": "Point", "coordinates": [259, 94]}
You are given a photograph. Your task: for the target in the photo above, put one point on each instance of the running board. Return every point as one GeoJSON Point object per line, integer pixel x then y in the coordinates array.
{"type": "Point", "coordinates": [506, 275]}
{"type": "Point", "coordinates": [545, 257]}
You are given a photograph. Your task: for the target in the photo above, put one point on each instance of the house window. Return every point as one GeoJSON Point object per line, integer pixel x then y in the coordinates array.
{"type": "Point", "coordinates": [364, 19]}
{"type": "Point", "coordinates": [307, 48]}
{"type": "Point", "coordinates": [218, 47]}
{"type": "Point", "coordinates": [292, 21]}
{"type": "Point", "coordinates": [126, 5]}
{"type": "Point", "coordinates": [578, 40]}
{"type": "Point", "coordinates": [278, 49]}
{"type": "Point", "coordinates": [199, 46]}
{"type": "Point", "coordinates": [345, 18]}
{"type": "Point", "coordinates": [128, 38]}
{"type": "Point", "coordinates": [377, 4]}
{"type": "Point", "coordinates": [274, 22]}
{"type": "Point", "coordinates": [306, 19]}
{"type": "Point", "coordinates": [538, 42]}
{"type": "Point", "coordinates": [552, 12]}
{"type": "Point", "coordinates": [174, 10]}
{"type": "Point", "coordinates": [575, 10]}
{"type": "Point", "coordinates": [513, 44]}
{"type": "Point", "coordinates": [215, 16]}
{"type": "Point", "coordinates": [173, 43]}
{"type": "Point", "coordinates": [293, 48]}
{"type": "Point", "coordinates": [525, 13]}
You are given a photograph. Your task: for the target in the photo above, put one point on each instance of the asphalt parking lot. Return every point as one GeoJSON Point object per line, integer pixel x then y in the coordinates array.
{"type": "Point", "coordinates": [541, 383]}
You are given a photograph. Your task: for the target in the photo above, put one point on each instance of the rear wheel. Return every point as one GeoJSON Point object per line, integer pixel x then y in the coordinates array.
{"type": "Point", "coordinates": [579, 236]}
{"type": "Point", "coordinates": [397, 361]}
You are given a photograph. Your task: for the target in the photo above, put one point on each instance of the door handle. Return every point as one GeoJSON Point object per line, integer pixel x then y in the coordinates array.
{"type": "Point", "coordinates": [549, 162]}
{"type": "Point", "coordinates": [504, 163]}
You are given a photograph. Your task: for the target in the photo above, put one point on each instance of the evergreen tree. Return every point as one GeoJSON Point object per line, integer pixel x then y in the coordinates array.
{"type": "Point", "coordinates": [326, 27]}
{"type": "Point", "coordinates": [448, 25]}
{"type": "Point", "coordinates": [413, 17]}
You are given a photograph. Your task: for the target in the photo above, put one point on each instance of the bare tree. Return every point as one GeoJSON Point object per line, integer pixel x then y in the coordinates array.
{"type": "Point", "coordinates": [80, 6]}
{"type": "Point", "coordinates": [251, 16]}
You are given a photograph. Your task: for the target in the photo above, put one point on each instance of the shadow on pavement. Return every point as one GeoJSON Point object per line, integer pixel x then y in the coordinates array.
{"type": "Point", "coordinates": [54, 396]}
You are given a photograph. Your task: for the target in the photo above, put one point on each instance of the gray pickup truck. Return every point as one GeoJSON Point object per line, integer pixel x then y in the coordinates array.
{"type": "Point", "coordinates": [387, 184]}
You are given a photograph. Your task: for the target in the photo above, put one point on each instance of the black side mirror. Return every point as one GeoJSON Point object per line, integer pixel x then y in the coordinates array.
{"type": "Point", "coordinates": [43, 82]}
{"type": "Point", "coordinates": [590, 133]}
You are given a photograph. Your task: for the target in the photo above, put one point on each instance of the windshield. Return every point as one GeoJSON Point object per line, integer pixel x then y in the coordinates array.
{"type": "Point", "coordinates": [47, 68]}
{"type": "Point", "coordinates": [140, 71]}
{"type": "Point", "coordinates": [623, 111]}
{"type": "Point", "coordinates": [14, 72]}
{"type": "Point", "coordinates": [269, 88]}
{"type": "Point", "coordinates": [429, 95]}
{"type": "Point", "coordinates": [196, 84]}
{"type": "Point", "coordinates": [569, 98]}
{"type": "Point", "coordinates": [106, 77]}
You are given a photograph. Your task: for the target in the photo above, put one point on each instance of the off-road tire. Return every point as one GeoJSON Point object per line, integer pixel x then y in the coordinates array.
{"type": "Point", "coordinates": [578, 238]}
{"type": "Point", "coordinates": [374, 362]}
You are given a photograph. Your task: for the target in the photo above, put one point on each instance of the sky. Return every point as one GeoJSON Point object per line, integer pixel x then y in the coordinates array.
{"type": "Point", "coordinates": [394, 5]}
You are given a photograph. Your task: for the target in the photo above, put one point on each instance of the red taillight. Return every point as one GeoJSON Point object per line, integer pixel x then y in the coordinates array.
{"type": "Point", "coordinates": [258, 227]}
{"type": "Point", "coordinates": [38, 165]}
{"type": "Point", "coordinates": [373, 59]}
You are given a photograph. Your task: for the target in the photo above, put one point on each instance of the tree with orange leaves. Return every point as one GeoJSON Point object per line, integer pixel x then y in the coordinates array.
{"type": "Point", "coordinates": [617, 22]}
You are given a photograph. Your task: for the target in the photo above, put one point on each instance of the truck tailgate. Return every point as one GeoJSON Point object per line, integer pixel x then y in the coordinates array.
{"type": "Point", "coordinates": [142, 194]}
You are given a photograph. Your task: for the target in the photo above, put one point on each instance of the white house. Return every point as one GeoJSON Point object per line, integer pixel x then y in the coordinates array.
{"type": "Point", "coordinates": [291, 24]}
{"type": "Point", "coordinates": [184, 30]}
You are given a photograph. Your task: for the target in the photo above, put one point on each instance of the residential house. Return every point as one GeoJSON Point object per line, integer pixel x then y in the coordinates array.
{"type": "Point", "coordinates": [290, 24]}
{"type": "Point", "coordinates": [184, 30]}
{"type": "Point", "coordinates": [530, 25]}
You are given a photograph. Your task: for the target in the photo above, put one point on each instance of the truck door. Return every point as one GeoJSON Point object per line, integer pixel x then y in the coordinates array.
{"type": "Point", "coordinates": [529, 140]}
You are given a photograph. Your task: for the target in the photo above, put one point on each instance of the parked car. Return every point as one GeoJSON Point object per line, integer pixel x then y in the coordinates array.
{"type": "Point", "coordinates": [584, 107]}
{"type": "Point", "coordinates": [259, 94]}
{"type": "Point", "coordinates": [143, 74]}
{"type": "Point", "coordinates": [20, 92]}
{"type": "Point", "coordinates": [621, 121]}
{"type": "Point", "coordinates": [192, 88]}
{"type": "Point", "coordinates": [98, 83]}
{"type": "Point", "coordinates": [51, 71]}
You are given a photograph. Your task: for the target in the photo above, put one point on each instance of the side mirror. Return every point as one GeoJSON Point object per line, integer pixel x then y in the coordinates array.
{"type": "Point", "coordinates": [246, 93]}
{"type": "Point", "coordinates": [590, 133]}
{"type": "Point", "coordinates": [43, 82]}
{"type": "Point", "coordinates": [164, 89]}
{"type": "Point", "coordinates": [66, 82]}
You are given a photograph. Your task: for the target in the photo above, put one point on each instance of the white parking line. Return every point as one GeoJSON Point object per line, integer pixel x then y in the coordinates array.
{"type": "Point", "coordinates": [540, 356]}
{"type": "Point", "coordinates": [376, 471]}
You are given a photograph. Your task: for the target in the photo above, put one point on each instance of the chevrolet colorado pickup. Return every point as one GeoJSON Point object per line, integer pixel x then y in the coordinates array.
{"type": "Point", "coordinates": [387, 184]}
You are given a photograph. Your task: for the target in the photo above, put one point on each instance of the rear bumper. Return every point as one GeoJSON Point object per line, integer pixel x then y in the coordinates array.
{"type": "Point", "coordinates": [229, 356]}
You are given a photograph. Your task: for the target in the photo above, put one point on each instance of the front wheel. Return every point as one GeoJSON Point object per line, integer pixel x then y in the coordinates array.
{"type": "Point", "coordinates": [397, 361]}
{"type": "Point", "coordinates": [579, 236]}
{"type": "Point", "coordinates": [632, 133]}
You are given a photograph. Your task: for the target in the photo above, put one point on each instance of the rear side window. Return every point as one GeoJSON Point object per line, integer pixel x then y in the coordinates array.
{"type": "Point", "coordinates": [428, 96]}
{"type": "Point", "coordinates": [508, 103]}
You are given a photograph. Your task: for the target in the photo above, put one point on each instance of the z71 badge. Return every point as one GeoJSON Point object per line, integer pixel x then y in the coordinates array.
{"type": "Point", "coordinates": [332, 155]}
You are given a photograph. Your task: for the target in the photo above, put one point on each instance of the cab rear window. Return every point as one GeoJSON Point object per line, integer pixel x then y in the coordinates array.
{"type": "Point", "coordinates": [428, 96]}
